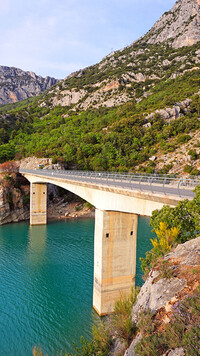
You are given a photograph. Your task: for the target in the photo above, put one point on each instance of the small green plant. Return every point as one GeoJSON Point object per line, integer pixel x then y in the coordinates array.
{"type": "Point", "coordinates": [187, 168]}
{"type": "Point", "coordinates": [164, 270]}
{"type": "Point", "coordinates": [193, 155]}
{"type": "Point", "coordinates": [88, 205]}
{"type": "Point", "coordinates": [121, 320]}
{"type": "Point", "coordinates": [183, 138]}
{"type": "Point", "coordinates": [26, 200]}
{"type": "Point", "coordinates": [166, 238]}
{"type": "Point", "coordinates": [146, 325]}
{"type": "Point", "coordinates": [78, 208]}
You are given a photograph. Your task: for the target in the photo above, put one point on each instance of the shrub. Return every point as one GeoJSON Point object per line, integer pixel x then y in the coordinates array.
{"type": "Point", "coordinates": [166, 238]}
{"type": "Point", "coordinates": [193, 154]}
{"type": "Point", "coordinates": [88, 205]}
{"type": "Point", "coordinates": [187, 168]}
{"type": "Point", "coordinates": [195, 172]}
{"type": "Point", "coordinates": [121, 320]}
{"type": "Point", "coordinates": [183, 138]}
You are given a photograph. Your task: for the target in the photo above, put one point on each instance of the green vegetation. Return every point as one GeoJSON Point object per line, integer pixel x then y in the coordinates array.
{"type": "Point", "coordinates": [114, 138]}
{"type": "Point", "coordinates": [161, 245]}
{"type": "Point", "coordinates": [172, 226]}
{"type": "Point", "coordinates": [79, 140]}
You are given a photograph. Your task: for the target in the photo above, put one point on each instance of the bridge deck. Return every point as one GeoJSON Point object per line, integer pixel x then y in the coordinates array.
{"type": "Point", "coordinates": [179, 187]}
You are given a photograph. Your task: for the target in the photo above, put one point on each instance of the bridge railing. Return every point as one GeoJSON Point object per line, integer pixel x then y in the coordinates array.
{"type": "Point", "coordinates": [164, 184]}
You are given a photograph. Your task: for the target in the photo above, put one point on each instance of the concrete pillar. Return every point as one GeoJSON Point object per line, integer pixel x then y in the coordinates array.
{"type": "Point", "coordinates": [114, 258]}
{"type": "Point", "coordinates": [38, 204]}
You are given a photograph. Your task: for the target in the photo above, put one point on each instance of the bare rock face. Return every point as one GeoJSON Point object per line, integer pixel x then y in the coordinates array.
{"type": "Point", "coordinates": [16, 85]}
{"type": "Point", "coordinates": [155, 295]}
{"type": "Point", "coordinates": [19, 211]}
{"type": "Point", "coordinates": [187, 253]}
{"type": "Point", "coordinates": [179, 27]}
{"type": "Point", "coordinates": [177, 352]}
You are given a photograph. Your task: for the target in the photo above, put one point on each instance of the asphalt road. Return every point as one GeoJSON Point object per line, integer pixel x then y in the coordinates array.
{"type": "Point", "coordinates": [175, 188]}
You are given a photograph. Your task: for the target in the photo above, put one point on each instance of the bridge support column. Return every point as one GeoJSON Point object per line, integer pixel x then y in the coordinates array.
{"type": "Point", "coordinates": [114, 258]}
{"type": "Point", "coordinates": [38, 204]}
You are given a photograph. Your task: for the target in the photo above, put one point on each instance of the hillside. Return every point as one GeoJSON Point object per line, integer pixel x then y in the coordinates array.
{"type": "Point", "coordinates": [126, 112]}
{"type": "Point", "coordinates": [17, 85]}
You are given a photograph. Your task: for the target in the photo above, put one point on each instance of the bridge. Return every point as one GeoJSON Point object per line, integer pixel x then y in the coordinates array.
{"type": "Point", "coordinates": [118, 200]}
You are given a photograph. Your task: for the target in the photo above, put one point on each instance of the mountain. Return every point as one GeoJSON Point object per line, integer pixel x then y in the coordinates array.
{"type": "Point", "coordinates": [130, 72]}
{"type": "Point", "coordinates": [16, 84]}
{"type": "Point", "coordinates": [178, 27]}
{"type": "Point", "coordinates": [136, 110]}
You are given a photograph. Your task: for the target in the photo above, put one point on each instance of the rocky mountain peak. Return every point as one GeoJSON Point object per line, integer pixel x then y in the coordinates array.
{"type": "Point", "coordinates": [16, 84]}
{"type": "Point", "coordinates": [179, 27]}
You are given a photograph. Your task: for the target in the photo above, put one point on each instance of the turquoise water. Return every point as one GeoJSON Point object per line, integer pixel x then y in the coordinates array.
{"type": "Point", "coordinates": [46, 276]}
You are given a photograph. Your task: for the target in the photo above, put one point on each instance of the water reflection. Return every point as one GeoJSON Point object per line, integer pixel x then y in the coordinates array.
{"type": "Point", "coordinates": [37, 238]}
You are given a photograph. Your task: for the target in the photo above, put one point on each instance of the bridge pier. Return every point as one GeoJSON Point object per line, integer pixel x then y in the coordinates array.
{"type": "Point", "coordinates": [114, 258]}
{"type": "Point", "coordinates": [38, 204]}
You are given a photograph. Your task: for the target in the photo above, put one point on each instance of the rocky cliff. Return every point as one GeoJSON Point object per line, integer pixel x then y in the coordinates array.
{"type": "Point", "coordinates": [14, 203]}
{"type": "Point", "coordinates": [132, 71]}
{"type": "Point", "coordinates": [17, 85]}
{"type": "Point", "coordinates": [164, 299]}
{"type": "Point", "coordinates": [178, 27]}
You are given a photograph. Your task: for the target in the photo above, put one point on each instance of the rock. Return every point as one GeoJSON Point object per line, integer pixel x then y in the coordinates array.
{"type": "Point", "coordinates": [69, 97]}
{"type": "Point", "coordinates": [18, 211]}
{"type": "Point", "coordinates": [173, 113]}
{"type": "Point", "coordinates": [147, 125]}
{"type": "Point", "coordinates": [154, 295]}
{"type": "Point", "coordinates": [179, 27]}
{"type": "Point", "coordinates": [19, 85]}
{"type": "Point", "coordinates": [67, 213]}
{"type": "Point", "coordinates": [153, 158]}
{"type": "Point", "coordinates": [130, 350]}
{"type": "Point", "coordinates": [118, 348]}
{"type": "Point", "coordinates": [187, 253]}
{"type": "Point", "coordinates": [177, 352]}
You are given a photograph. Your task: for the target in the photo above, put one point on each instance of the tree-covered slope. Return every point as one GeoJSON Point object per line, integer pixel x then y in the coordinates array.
{"type": "Point", "coordinates": [104, 138]}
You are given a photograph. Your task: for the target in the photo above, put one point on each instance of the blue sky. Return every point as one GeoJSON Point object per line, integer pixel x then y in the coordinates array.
{"type": "Point", "coordinates": [57, 37]}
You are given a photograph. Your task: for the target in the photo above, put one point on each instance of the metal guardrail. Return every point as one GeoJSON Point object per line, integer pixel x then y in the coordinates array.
{"type": "Point", "coordinates": [164, 184]}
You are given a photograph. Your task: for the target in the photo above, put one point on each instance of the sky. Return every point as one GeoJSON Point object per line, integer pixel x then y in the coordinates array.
{"type": "Point", "coordinates": [58, 37]}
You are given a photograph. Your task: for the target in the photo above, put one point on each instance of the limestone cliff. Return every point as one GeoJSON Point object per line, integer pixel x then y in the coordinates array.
{"type": "Point", "coordinates": [179, 27]}
{"type": "Point", "coordinates": [16, 84]}
{"type": "Point", "coordinates": [160, 297]}
{"type": "Point", "coordinates": [132, 71]}
{"type": "Point", "coordinates": [14, 204]}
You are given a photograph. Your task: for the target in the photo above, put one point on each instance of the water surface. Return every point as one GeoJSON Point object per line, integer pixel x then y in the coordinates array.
{"type": "Point", "coordinates": [46, 277]}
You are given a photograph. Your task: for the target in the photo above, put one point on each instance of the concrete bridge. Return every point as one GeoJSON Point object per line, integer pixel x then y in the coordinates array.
{"type": "Point", "coordinates": [118, 199]}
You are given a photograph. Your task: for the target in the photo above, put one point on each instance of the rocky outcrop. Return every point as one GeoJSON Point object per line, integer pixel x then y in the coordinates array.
{"type": "Point", "coordinates": [68, 98]}
{"type": "Point", "coordinates": [158, 295]}
{"type": "Point", "coordinates": [173, 113]}
{"type": "Point", "coordinates": [179, 27]}
{"type": "Point", "coordinates": [131, 72]}
{"type": "Point", "coordinates": [155, 295]}
{"type": "Point", "coordinates": [17, 85]}
{"type": "Point", "coordinates": [15, 207]}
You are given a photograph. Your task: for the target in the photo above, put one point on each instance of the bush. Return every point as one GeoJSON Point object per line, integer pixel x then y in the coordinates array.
{"type": "Point", "coordinates": [121, 320]}
{"type": "Point", "coordinates": [166, 238]}
{"type": "Point", "coordinates": [187, 168]}
{"type": "Point", "coordinates": [183, 138]}
{"type": "Point", "coordinates": [193, 154]}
